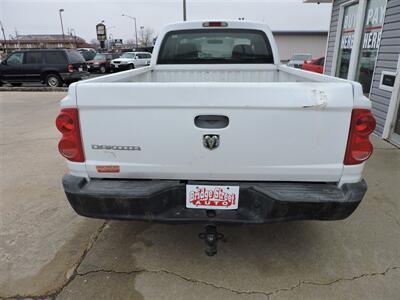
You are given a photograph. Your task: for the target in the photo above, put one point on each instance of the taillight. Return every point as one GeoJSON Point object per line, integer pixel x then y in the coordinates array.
{"type": "Point", "coordinates": [70, 145]}
{"type": "Point", "coordinates": [359, 147]}
{"type": "Point", "coordinates": [70, 68]}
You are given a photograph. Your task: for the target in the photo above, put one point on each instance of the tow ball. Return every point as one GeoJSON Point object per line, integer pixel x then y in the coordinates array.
{"type": "Point", "coordinates": [211, 237]}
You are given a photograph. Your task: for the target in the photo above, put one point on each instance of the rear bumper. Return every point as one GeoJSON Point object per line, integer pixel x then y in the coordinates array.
{"type": "Point", "coordinates": [97, 67]}
{"type": "Point", "coordinates": [164, 201]}
{"type": "Point", "coordinates": [74, 76]}
{"type": "Point", "coordinates": [120, 67]}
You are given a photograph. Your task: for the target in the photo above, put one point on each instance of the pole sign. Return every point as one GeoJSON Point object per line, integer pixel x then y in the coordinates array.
{"type": "Point", "coordinates": [101, 32]}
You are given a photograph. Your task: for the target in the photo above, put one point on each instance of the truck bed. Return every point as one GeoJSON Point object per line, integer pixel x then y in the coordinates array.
{"type": "Point", "coordinates": [215, 73]}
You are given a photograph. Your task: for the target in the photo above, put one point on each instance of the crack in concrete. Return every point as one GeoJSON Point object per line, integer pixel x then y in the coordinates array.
{"type": "Point", "coordinates": [162, 271]}
{"type": "Point", "coordinates": [80, 260]}
{"type": "Point", "coordinates": [53, 295]}
{"type": "Point", "coordinates": [301, 283]}
{"type": "Point", "coordinates": [238, 292]}
{"type": "Point", "coordinates": [392, 217]}
{"type": "Point", "coordinates": [267, 294]}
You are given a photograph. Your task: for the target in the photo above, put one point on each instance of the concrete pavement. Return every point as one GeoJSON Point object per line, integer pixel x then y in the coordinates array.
{"type": "Point", "coordinates": [41, 238]}
{"type": "Point", "coordinates": [46, 250]}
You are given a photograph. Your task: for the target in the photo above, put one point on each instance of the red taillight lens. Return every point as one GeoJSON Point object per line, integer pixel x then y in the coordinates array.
{"type": "Point", "coordinates": [365, 124]}
{"type": "Point", "coordinates": [70, 145]}
{"type": "Point", "coordinates": [215, 24]}
{"type": "Point", "coordinates": [65, 123]}
{"type": "Point", "coordinates": [70, 68]}
{"type": "Point", "coordinates": [68, 148]}
{"type": "Point", "coordinates": [359, 147]}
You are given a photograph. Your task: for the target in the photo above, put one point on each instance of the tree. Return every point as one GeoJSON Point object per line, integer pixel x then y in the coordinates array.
{"type": "Point", "coordinates": [129, 43]}
{"type": "Point", "coordinates": [146, 36]}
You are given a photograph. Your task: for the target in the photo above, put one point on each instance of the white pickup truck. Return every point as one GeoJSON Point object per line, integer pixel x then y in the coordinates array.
{"type": "Point", "coordinates": [215, 130]}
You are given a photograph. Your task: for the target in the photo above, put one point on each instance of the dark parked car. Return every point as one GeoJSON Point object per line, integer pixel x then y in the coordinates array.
{"type": "Point", "coordinates": [101, 62]}
{"type": "Point", "coordinates": [87, 53]}
{"type": "Point", "coordinates": [53, 67]}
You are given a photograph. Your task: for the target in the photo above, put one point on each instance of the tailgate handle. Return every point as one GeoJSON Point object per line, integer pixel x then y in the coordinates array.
{"type": "Point", "coordinates": [211, 121]}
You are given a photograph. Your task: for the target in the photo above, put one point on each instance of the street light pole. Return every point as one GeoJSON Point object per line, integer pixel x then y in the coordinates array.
{"type": "Point", "coordinates": [4, 35]}
{"type": "Point", "coordinates": [109, 39]}
{"type": "Point", "coordinates": [133, 18]}
{"type": "Point", "coordinates": [184, 10]}
{"type": "Point", "coordinates": [62, 26]}
{"type": "Point", "coordinates": [142, 34]}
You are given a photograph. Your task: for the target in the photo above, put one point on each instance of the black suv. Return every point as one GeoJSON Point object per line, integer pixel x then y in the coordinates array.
{"type": "Point", "coordinates": [53, 67]}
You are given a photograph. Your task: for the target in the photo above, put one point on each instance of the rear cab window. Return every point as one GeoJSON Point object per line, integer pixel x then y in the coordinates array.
{"type": "Point", "coordinates": [216, 46]}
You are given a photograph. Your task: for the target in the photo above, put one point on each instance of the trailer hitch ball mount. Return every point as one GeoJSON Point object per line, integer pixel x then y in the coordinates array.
{"type": "Point", "coordinates": [210, 235]}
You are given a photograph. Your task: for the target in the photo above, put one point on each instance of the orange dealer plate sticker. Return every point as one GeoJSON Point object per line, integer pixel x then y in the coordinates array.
{"type": "Point", "coordinates": [107, 169]}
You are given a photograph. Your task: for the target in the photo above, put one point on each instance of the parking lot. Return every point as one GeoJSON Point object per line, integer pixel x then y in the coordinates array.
{"type": "Point", "coordinates": [38, 85]}
{"type": "Point", "coordinates": [47, 251]}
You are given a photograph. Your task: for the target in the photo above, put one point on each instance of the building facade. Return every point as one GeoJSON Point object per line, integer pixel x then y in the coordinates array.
{"type": "Point", "coordinates": [364, 45]}
{"type": "Point", "coordinates": [42, 41]}
{"type": "Point", "coordinates": [292, 42]}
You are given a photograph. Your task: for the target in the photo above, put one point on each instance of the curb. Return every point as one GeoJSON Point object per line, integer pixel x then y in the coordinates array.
{"type": "Point", "coordinates": [33, 89]}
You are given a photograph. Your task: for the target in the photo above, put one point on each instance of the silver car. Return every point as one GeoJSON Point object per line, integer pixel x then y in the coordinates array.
{"type": "Point", "coordinates": [298, 59]}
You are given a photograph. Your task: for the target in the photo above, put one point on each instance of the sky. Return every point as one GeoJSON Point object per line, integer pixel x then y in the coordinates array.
{"type": "Point", "coordinates": [42, 16]}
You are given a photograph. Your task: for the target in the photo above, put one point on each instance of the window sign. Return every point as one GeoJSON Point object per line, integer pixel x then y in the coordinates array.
{"type": "Point", "coordinates": [346, 40]}
{"type": "Point", "coordinates": [371, 39]}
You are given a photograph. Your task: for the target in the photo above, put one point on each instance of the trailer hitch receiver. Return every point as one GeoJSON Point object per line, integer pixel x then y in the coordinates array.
{"type": "Point", "coordinates": [211, 237]}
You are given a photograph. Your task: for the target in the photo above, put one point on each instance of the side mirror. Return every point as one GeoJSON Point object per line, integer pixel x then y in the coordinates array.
{"type": "Point", "coordinates": [4, 62]}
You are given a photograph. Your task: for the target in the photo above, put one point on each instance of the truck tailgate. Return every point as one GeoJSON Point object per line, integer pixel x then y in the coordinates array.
{"type": "Point", "coordinates": [276, 131]}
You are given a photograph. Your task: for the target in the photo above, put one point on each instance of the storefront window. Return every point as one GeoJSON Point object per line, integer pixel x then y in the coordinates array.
{"type": "Point", "coordinates": [346, 40]}
{"type": "Point", "coordinates": [371, 39]}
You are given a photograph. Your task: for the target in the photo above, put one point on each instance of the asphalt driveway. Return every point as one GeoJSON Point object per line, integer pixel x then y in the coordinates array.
{"type": "Point", "coordinates": [47, 251]}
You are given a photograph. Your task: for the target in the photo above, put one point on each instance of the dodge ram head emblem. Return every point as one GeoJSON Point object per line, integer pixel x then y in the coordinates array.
{"type": "Point", "coordinates": [211, 142]}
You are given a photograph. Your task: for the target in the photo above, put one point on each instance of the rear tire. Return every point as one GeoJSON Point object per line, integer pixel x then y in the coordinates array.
{"type": "Point", "coordinates": [103, 69]}
{"type": "Point", "coordinates": [53, 80]}
{"type": "Point", "coordinates": [131, 66]}
{"type": "Point", "coordinates": [16, 84]}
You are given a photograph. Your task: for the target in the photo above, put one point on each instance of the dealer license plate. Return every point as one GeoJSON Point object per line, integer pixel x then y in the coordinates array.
{"type": "Point", "coordinates": [212, 197]}
{"type": "Point", "coordinates": [80, 69]}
